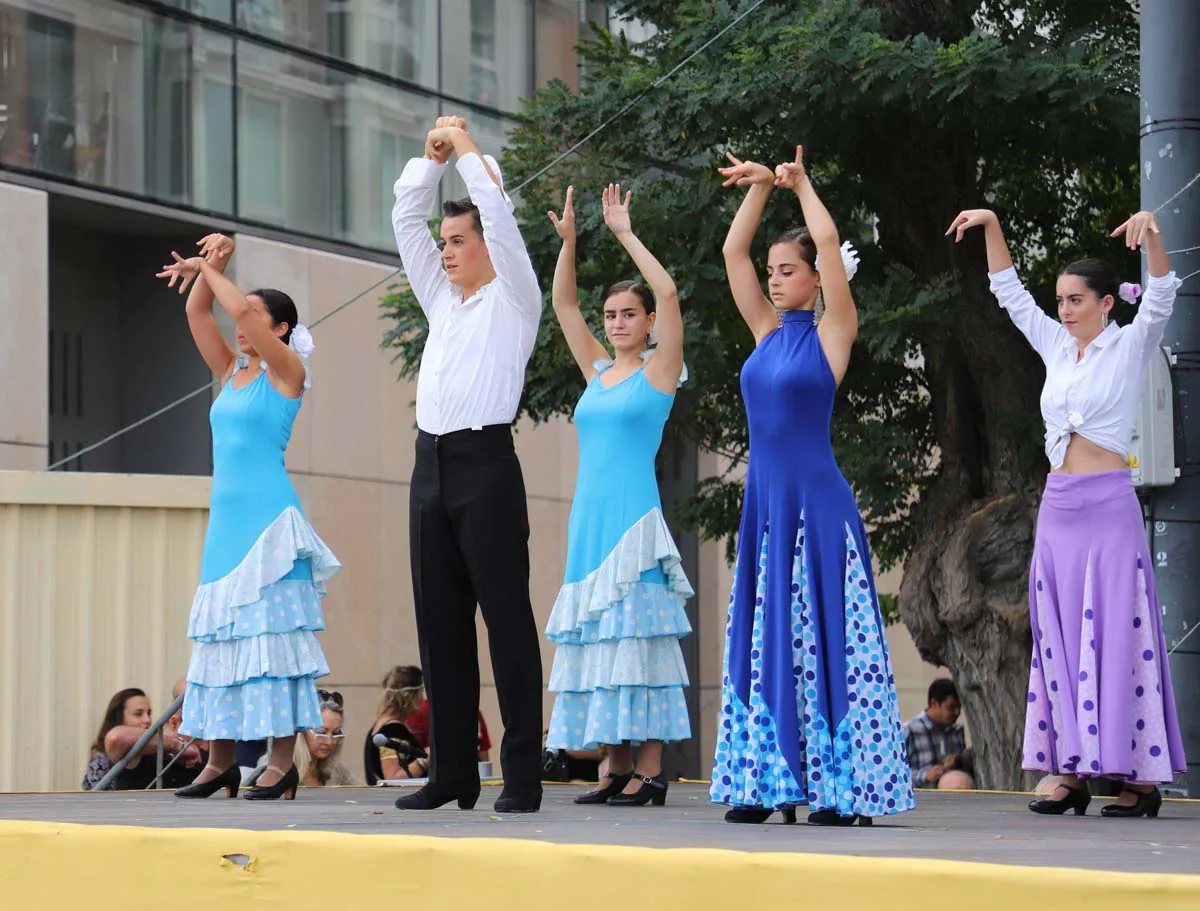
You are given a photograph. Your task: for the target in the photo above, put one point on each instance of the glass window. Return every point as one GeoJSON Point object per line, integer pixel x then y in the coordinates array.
{"type": "Point", "coordinates": [394, 37]}
{"type": "Point", "coordinates": [486, 59]}
{"type": "Point", "coordinates": [221, 10]}
{"type": "Point", "coordinates": [114, 96]}
{"type": "Point", "coordinates": [319, 150]}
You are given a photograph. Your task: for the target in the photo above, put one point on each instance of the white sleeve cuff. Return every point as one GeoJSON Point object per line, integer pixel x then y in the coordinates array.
{"type": "Point", "coordinates": [419, 172]}
{"type": "Point", "coordinates": [1004, 275]}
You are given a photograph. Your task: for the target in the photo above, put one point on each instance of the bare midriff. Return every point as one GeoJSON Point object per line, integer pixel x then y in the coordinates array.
{"type": "Point", "coordinates": [1085, 457]}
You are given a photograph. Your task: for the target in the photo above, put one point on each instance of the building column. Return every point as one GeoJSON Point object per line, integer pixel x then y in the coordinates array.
{"type": "Point", "coordinates": [24, 327]}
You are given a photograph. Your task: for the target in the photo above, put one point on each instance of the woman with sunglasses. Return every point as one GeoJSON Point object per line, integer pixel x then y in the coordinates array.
{"type": "Point", "coordinates": [317, 751]}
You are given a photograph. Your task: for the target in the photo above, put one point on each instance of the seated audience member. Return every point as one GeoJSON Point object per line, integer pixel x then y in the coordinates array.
{"type": "Point", "coordinates": [126, 719]}
{"type": "Point", "coordinates": [937, 744]}
{"type": "Point", "coordinates": [184, 771]}
{"type": "Point", "coordinates": [317, 750]}
{"type": "Point", "coordinates": [403, 756]}
{"type": "Point", "coordinates": [418, 723]}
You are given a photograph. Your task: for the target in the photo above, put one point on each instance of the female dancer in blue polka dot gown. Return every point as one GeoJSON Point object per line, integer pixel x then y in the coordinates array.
{"type": "Point", "coordinates": [618, 670]}
{"type": "Point", "coordinates": [255, 656]}
{"type": "Point", "coordinates": [809, 712]}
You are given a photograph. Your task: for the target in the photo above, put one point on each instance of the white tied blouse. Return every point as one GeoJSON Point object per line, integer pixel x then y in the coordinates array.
{"type": "Point", "coordinates": [1096, 397]}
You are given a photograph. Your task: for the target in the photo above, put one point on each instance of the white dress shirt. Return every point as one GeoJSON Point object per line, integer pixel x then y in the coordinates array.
{"type": "Point", "coordinates": [473, 366]}
{"type": "Point", "coordinates": [1096, 397]}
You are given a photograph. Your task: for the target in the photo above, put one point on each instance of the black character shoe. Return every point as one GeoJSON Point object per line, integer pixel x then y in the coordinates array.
{"type": "Point", "coordinates": [518, 801]}
{"type": "Point", "coordinates": [432, 796]}
{"type": "Point", "coordinates": [832, 818]}
{"type": "Point", "coordinates": [230, 780]}
{"type": "Point", "coordinates": [285, 787]}
{"type": "Point", "coordinates": [1077, 798]}
{"type": "Point", "coordinates": [758, 814]}
{"type": "Point", "coordinates": [1148, 804]}
{"type": "Point", "coordinates": [653, 791]}
{"type": "Point", "coordinates": [616, 784]}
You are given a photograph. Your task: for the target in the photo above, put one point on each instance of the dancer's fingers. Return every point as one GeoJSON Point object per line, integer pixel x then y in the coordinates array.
{"type": "Point", "coordinates": [733, 158]}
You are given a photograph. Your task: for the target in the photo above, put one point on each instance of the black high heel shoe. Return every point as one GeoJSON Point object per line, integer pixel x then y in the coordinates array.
{"type": "Point", "coordinates": [652, 791]}
{"type": "Point", "coordinates": [432, 796]}
{"type": "Point", "coordinates": [759, 814]}
{"type": "Point", "coordinates": [284, 787]}
{"type": "Point", "coordinates": [1077, 799]}
{"type": "Point", "coordinates": [230, 780]}
{"type": "Point", "coordinates": [1148, 804]}
{"type": "Point", "coordinates": [616, 784]}
{"type": "Point", "coordinates": [833, 818]}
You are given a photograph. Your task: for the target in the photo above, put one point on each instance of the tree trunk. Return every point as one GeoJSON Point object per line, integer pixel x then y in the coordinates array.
{"type": "Point", "coordinates": [964, 599]}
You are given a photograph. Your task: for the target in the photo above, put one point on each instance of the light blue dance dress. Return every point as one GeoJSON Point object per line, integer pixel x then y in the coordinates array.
{"type": "Point", "coordinates": [255, 655]}
{"type": "Point", "coordinates": [618, 671]}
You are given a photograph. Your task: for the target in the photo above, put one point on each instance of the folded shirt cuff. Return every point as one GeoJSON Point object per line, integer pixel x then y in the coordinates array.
{"type": "Point", "coordinates": [419, 172]}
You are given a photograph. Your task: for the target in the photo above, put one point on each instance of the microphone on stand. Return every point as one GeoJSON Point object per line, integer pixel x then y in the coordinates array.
{"type": "Point", "coordinates": [403, 748]}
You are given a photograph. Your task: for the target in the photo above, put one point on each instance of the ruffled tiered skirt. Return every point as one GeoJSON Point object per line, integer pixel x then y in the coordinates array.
{"type": "Point", "coordinates": [618, 671]}
{"type": "Point", "coordinates": [255, 655]}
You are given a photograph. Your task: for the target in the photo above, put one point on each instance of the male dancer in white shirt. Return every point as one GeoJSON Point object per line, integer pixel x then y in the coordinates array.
{"type": "Point", "coordinates": [468, 522]}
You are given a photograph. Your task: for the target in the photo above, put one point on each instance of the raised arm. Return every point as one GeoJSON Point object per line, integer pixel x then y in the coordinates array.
{"type": "Point", "coordinates": [1042, 332]}
{"type": "Point", "coordinates": [585, 348]}
{"type": "Point", "coordinates": [839, 325]}
{"type": "Point", "coordinates": [501, 234]}
{"type": "Point", "coordinates": [1141, 230]}
{"type": "Point", "coordinates": [205, 332]}
{"type": "Point", "coordinates": [283, 362]}
{"type": "Point", "coordinates": [415, 192]}
{"type": "Point", "coordinates": [758, 312]}
{"type": "Point", "coordinates": [662, 370]}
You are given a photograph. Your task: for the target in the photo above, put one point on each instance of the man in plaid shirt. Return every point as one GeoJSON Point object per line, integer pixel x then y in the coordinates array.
{"type": "Point", "coordinates": [937, 743]}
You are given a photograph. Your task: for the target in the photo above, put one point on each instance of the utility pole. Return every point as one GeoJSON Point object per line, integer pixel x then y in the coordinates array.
{"type": "Point", "coordinates": [1170, 157]}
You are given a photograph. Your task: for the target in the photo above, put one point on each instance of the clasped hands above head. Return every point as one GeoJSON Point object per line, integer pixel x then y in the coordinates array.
{"type": "Point", "coordinates": [439, 142]}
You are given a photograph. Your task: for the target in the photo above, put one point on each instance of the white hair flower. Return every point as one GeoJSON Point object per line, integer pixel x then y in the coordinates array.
{"type": "Point", "coordinates": [849, 260]}
{"type": "Point", "coordinates": [301, 341]}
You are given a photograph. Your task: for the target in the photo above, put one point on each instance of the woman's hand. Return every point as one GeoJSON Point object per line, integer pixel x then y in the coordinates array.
{"type": "Point", "coordinates": [216, 248]}
{"type": "Point", "coordinates": [185, 269]}
{"type": "Point", "coordinates": [970, 218]}
{"type": "Point", "coordinates": [616, 213]}
{"type": "Point", "coordinates": [565, 226]}
{"type": "Point", "coordinates": [791, 174]}
{"type": "Point", "coordinates": [743, 173]}
{"type": "Point", "coordinates": [1137, 229]}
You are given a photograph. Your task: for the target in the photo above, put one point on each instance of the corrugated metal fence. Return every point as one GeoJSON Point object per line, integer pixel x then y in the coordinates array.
{"type": "Point", "coordinates": [97, 573]}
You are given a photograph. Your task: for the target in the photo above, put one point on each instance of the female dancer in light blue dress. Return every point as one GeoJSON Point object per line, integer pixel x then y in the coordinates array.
{"type": "Point", "coordinates": [618, 670]}
{"type": "Point", "coordinates": [255, 658]}
{"type": "Point", "coordinates": [809, 711]}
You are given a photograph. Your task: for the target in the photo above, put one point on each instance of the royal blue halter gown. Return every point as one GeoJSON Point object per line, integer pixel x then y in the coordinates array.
{"type": "Point", "coordinates": [809, 712]}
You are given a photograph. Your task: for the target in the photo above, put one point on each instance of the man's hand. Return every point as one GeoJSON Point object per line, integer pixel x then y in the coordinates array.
{"type": "Point", "coordinates": [439, 142]}
{"type": "Point", "coordinates": [950, 762]}
{"type": "Point", "coordinates": [934, 774]}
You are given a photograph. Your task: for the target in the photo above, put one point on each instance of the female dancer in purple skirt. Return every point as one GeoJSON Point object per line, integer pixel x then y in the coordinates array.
{"type": "Point", "coordinates": [1100, 701]}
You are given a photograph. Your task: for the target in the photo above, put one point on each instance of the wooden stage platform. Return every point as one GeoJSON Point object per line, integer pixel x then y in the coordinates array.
{"type": "Point", "coordinates": [1152, 863]}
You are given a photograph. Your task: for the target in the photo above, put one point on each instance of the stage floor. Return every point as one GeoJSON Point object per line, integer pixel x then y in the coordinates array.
{"type": "Point", "coordinates": [981, 827]}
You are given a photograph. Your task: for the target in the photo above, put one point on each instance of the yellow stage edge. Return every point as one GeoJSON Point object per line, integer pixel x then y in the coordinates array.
{"type": "Point", "coordinates": [62, 865]}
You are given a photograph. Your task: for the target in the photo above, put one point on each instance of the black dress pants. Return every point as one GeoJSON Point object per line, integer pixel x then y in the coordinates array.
{"type": "Point", "coordinates": [469, 545]}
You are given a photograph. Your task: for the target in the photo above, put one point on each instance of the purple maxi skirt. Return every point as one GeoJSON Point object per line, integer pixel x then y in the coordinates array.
{"type": "Point", "coordinates": [1100, 700]}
